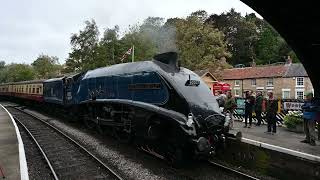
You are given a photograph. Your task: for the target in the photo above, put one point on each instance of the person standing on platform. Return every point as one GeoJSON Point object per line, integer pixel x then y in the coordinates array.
{"type": "Point", "coordinates": [230, 105]}
{"type": "Point", "coordinates": [221, 98]}
{"type": "Point", "coordinates": [309, 117]}
{"type": "Point", "coordinates": [258, 107]}
{"type": "Point", "coordinates": [249, 104]}
{"type": "Point", "coordinates": [271, 112]}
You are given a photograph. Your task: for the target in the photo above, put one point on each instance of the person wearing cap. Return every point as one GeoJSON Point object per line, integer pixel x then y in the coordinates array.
{"type": "Point", "coordinates": [271, 112]}
{"type": "Point", "coordinates": [309, 117]}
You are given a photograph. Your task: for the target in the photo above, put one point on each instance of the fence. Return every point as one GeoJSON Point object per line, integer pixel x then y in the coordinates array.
{"type": "Point", "coordinates": [284, 105]}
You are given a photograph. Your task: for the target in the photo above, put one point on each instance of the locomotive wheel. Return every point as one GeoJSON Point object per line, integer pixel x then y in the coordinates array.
{"type": "Point", "coordinates": [121, 135]}
{"type": "Point", "coordinates": [176, 157]}
{"type": "Point", "coordinates": [104, 130]}
{"type": "Point", "coordinates": [101, 129]}
{"type": "Point", "coordinates": [89, 124]}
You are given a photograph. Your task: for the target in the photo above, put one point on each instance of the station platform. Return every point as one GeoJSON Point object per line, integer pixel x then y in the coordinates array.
{"type": "Point", "coordinates": [284, 141]}
{"type": "Point", "coordinates": [13, 163]}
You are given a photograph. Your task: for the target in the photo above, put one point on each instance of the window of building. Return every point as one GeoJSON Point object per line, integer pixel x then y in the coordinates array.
{"type": "Point", "coordinates": [285, 93]}
{"type": "Point", "coordinates": [270, 82]}
{"type": "Point", "coordinates": [253, 82]}
{"type": "Point", "coordinates": [237, 83]}
{"type": "Point", "coordinates": [299, 94]}
{"type": "Point", "coordinates": [299, 82]}
{"type": "Point", "coordinates": [237, 92]}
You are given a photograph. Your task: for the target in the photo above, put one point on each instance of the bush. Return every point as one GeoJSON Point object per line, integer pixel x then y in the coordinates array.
{"type": "Point", "coordinates": [292, 119]}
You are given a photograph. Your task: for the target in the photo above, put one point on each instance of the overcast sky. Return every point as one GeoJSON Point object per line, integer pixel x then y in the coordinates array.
{"type": "Point", "coordinates": [32, 27]}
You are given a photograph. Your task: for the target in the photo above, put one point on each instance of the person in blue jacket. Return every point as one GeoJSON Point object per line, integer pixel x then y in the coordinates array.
{"type": "Point", "coordinates": [309, 117]}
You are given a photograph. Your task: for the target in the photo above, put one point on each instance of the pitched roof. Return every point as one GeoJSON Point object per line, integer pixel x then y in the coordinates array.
{"type": "Point", "coordinates": [296, 70]}
{"type": "Point", "coordinates": [286, 70]}
{"type": "Point", "coordinates": [201, 72]}
{"type": "Point", "coordinates": [204, 72]}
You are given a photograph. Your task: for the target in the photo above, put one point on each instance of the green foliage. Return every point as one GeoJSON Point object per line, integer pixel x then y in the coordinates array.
{"type": "Point", "coordinates": [144, 46]}
{"type": "Point", "coordinates": [251, 39]}
{"type": "Point", "coordinates": [200, 45]}
{"type": "Point", "coordinates": [46, 66]}
{"type": "Point", "coordinates": [108, 49]}
{"type": "Point", "coordinates": [16, 72]}
{"type": "Point", "coordinates": [2, 64]}
{"type": "Point", "coordinates": [84, 45]}
{"type": "Point", "coordinates": [291, 120]}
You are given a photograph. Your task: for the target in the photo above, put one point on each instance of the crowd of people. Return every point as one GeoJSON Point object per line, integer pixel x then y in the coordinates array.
{"type": "Point", "coordinates": [269, 105]}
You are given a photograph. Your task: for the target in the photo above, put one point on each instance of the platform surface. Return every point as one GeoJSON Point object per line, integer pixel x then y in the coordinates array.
{"type": "Point", "coordinates": [283, 138]}
{"type": "Point", "coordinates": [12, 155]}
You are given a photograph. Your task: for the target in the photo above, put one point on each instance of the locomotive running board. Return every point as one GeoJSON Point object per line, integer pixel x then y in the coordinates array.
{"type": "Point", "coordinates": [106, 122]}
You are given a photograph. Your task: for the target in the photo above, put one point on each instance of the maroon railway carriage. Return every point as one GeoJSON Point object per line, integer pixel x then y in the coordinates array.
{"type": "Point", "coordinates": [29, 90]}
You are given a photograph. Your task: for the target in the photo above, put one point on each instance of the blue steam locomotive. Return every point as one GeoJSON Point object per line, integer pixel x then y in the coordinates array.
{"type": "Point", "coordinates": [165, 108]}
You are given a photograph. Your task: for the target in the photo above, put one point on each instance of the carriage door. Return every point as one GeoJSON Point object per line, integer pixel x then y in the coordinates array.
{"type": "Point", "coordinates": [68, 90]}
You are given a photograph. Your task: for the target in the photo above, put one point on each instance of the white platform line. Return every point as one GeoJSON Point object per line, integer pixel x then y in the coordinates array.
{"type": "Point", "coordinates": [22, 156]}
{"type": "Point", "coordinates": [281, 149]}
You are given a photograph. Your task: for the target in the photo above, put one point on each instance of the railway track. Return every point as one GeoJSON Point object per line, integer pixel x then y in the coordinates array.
{"type": "Point", "coordinates": [66, 158]}
{"type": "Point", "coordinates": [233, 171]}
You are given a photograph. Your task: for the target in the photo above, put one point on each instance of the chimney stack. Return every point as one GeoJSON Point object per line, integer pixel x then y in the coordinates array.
{"type": "Point", "coordinates": [253, 64]}
{"type": "Point", "coordinates": [289, 60]}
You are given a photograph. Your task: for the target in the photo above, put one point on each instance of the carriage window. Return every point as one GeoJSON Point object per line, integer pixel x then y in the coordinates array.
{"type": "Point", "coordinates": [33, 90]}
{"type": "Point", "coordinates": [38, 90]}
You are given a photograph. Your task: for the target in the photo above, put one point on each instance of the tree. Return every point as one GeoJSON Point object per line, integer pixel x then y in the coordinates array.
{"type": "Point", "coordinates": [17, 72]}
{"type": "Point", "coordinates": [240, 33]}
{"type": "Point", "coordinates": [109, 46]}
{"type": "Point", "coordinates": [84, 45]}
{"type": "Point", "coordinates": [145, 47]}
{"type": "Point", "coordinates": [271, 47]}
{"type": "Point", "coordinates": [200, 45]}
{"type": "Point", "coordinates": [250, 38]}
{"type": "Point", "coordinates": [2, 64]}
{"type": "Point", "coordinates": [46, 66]}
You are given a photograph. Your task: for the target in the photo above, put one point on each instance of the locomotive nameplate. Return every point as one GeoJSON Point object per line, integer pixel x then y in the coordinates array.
{"type": "Point", "coordinates": [143, 86]}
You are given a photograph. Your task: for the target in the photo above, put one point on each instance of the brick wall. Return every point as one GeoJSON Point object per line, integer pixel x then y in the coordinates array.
{"type": "Point", "coordinates": [279, 84]}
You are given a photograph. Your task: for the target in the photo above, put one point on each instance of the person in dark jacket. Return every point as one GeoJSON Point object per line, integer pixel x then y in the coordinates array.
{"type": "Point", "coordinates": [258, 107]}
{"type": "Point", "coordinates": [309, 117]}
{"type": "Point", "coordinates": [249, 104]}
{"type": "Point", "coordinates": [229, 106]}
{"type": "Point", "coordinates": [271, 112]}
